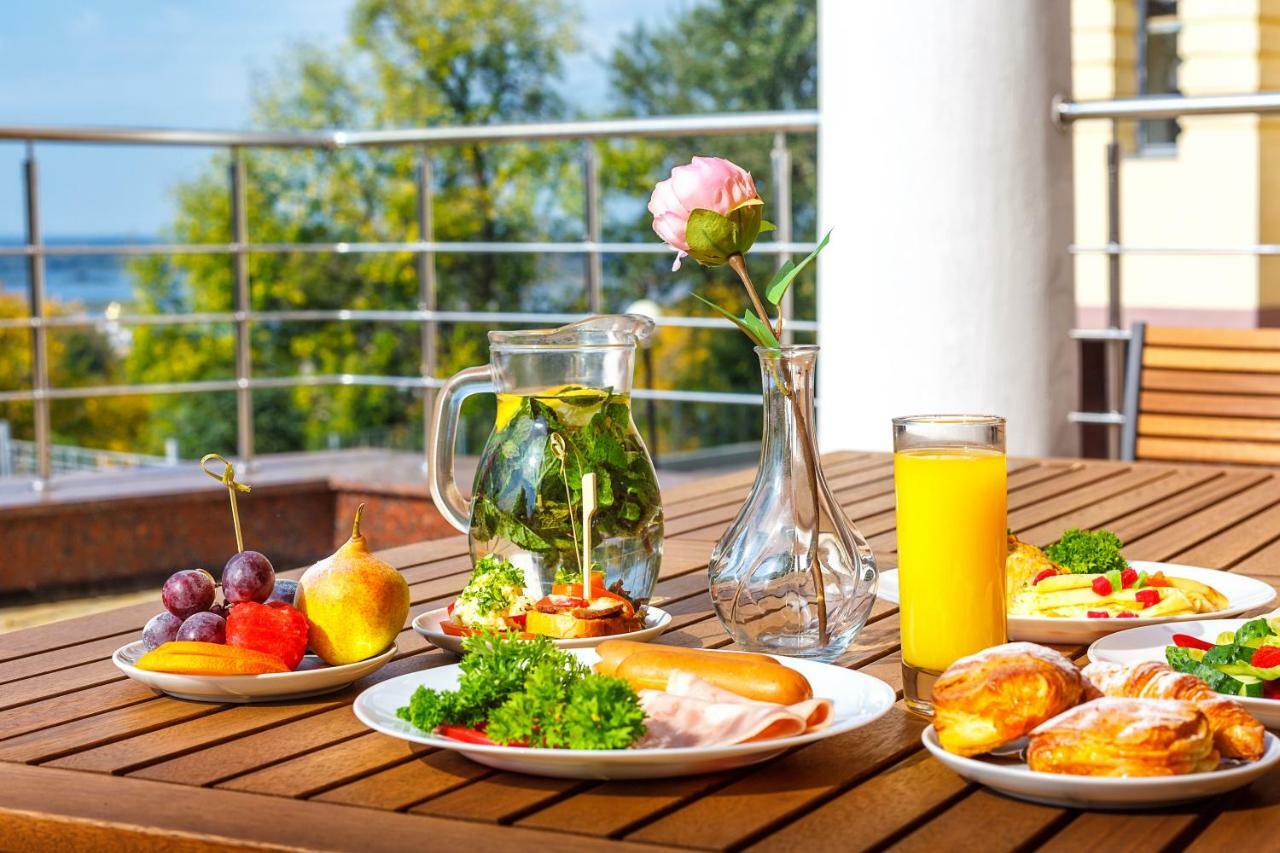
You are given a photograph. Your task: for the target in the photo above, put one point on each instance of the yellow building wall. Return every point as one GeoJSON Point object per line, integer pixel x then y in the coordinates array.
{"type": "Point", "coordinates": [1210, 192]}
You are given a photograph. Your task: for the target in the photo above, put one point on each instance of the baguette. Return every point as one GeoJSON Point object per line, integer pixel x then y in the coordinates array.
{"type": "Point", "coordinates": [752, 676]}
{"type": "Point", "coordinates": [612, 652]}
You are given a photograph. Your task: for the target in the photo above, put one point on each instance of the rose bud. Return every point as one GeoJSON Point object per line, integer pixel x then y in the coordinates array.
{"type": "Point", "coordinates": [708, 210]}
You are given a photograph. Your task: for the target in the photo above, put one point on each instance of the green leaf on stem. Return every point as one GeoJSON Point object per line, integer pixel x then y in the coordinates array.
{"type": "Point", "coordinates": [766, 226]}
{"type": "Point", "coordinates": [751, 325]}
{"type": "Point", "coordinates": [786, 274]}
{"type": "Point", "coordinates": [712, 238]}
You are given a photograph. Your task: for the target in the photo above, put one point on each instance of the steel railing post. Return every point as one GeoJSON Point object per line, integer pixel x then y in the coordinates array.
{"type": "Point", "coordinates": [39, 334]}
{"type": "Point", "coordinates": [426, 296]}
{"type": "Point", "coordinates": [591, 215]}
{"type": "Point", "coordinates": [243, 305]}
{"type": "Point", "coordinates": [780, 158]}
{"type": "Point", "coordinates": [1114, 347]}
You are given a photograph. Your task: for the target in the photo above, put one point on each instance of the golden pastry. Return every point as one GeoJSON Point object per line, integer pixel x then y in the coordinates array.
{"type": "Point", "coordinates": [986, 700]}
{"type": "Point", "coordinates": [1124, 737]}
{"type": "Point", "coordinates": [1236, 734]}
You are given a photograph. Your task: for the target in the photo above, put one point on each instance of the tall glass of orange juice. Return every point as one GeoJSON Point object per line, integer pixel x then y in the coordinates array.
{"type": "Point", "coordinates": [950, 481]}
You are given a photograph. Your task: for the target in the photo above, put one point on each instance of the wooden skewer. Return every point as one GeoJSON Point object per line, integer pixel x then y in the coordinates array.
{"type": "Point", "coordinates": [588, 510]}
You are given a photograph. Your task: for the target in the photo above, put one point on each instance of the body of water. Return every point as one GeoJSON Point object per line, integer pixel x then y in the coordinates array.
{"type": "Point", "coordinates": [93, 281]}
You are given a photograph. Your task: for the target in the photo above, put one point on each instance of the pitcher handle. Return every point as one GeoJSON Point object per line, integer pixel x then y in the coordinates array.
{"type": "Point", "coordinates": [444, 433]}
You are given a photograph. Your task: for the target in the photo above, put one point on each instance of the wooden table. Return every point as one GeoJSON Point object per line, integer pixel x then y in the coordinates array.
{"type": "Point", "coordinates": [91, 760]}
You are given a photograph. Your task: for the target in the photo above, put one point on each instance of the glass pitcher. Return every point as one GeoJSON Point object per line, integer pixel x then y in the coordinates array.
{"type": "Point", "coordinates": [564, 410]}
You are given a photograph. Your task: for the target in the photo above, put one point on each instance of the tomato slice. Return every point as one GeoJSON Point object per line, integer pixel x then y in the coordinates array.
{"type": "Point", "coordinates": [466, 735]}
{"type": "Point", "coordinates": [453, 629]}
{"type": "Point", "coordinates": [520, 620]}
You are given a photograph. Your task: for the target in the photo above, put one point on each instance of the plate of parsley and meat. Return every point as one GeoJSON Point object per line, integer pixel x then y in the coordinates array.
{"type": "Point", "coordinates": [1082, 587]}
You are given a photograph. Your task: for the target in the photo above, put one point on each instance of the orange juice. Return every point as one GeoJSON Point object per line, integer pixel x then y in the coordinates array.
{"type": "Point", "coordinates": [951, 552]}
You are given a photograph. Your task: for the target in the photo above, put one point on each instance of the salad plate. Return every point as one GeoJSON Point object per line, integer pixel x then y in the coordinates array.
{"type": "Point", "coordinates": [858, 700]}
{"type": "Point", "coordinates": [1242, 592]}
{"type": "Point", "coordinates": [1009, 775]}
{"type": "Point", "coordinates": [428, 624]}
{"type": "Point", "coordinates": [313, 677]}
{"type": "Point", "coordinates": [1149, 643]}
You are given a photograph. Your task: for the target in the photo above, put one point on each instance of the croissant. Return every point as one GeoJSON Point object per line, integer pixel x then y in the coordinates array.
{"type": "Point", "coordinates": [1236, 733]}
{"type": "Point", "coordinates": [1124, 737]}
{"type": "Point", "coordinates": [986, 700]}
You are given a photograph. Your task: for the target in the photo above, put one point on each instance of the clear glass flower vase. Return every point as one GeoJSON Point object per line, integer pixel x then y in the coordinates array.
{"type": "Point", "coordinates": [791, 575]}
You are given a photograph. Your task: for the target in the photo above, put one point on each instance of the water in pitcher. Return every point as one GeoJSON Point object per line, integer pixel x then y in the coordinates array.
{"type": "Point", "coordinates": [528, 489]}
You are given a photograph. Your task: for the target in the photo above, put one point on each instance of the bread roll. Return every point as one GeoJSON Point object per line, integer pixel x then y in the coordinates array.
{"type": "Point", "coordinates": [612, 652]}
{"type": "Point", "coordinates": [1124, 737]}
{"type": "Point", "coordinates": [749, 675]}
{"type": "Point", "coordinates": [983, 701]}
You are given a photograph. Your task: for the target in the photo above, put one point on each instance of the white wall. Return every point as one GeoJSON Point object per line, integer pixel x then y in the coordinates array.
{"type": "Point", "coordinates": [947, 286]}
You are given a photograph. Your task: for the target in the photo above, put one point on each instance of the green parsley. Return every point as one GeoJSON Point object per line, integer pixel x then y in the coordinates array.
{"type": "Point", "coordinates": [491, 582]}
{"type": "Point", "coordinates": [1088, 552]}
{"type": "Point", "coordinates": [531, 693]}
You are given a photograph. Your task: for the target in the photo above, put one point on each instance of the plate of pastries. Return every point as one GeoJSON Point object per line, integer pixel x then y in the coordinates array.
{"type": "Point", "coordinates": [1026, 721]}
{"type": "Point", "coordinates": [1082, 587]}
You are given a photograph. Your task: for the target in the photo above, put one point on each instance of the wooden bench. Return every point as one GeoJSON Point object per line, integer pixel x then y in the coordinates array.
{"type": "Point", "coordinates": [1203, 395]}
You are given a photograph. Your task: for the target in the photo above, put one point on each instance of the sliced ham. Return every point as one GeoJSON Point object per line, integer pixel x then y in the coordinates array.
{"type": "Point", "coordinates": [694, 712]}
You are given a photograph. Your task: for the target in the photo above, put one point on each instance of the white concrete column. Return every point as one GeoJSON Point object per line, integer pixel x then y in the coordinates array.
{"type": "Point", "coordinates": [947, 286]}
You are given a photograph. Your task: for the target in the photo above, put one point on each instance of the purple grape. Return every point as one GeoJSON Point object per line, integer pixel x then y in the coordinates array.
{"type": "Point", "coordinates": [220, 609]}
{"type": "Point", "coordinates": [248, 576]}
{"type": "Point", "coordinates": [284, 591]}
{"type": "Point", "coordinates": [162, 628]}
{"type": "Point", "coordinates": [187, 592]}
{"type": "Point", "coordinates": [203, 628]}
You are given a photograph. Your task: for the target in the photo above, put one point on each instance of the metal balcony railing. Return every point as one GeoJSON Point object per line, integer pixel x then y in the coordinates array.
{"type": "Point", "coordinates": [427, 315]}
{"type": "Point", "coordinates": [1114, 336]}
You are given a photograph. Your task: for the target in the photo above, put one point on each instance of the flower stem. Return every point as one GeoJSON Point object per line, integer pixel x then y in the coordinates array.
{"type": "Point", "coordinates": [739, 265]}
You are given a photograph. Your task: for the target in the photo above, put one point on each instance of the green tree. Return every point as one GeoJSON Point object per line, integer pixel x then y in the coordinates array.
{"type": "Point", "coordinates": [408, 63]}
{"type": "Point", "coordinates": [77, 356]}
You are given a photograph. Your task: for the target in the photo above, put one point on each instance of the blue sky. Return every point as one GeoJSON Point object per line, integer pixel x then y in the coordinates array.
{"type": "Point", "coordinates": [191, 64]}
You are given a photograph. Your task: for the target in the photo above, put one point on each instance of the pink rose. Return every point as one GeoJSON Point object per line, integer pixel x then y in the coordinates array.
{"type": "Point", "coordinates": [708, 183]}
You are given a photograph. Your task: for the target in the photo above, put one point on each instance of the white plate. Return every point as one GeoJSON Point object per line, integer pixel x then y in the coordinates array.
{"type": "Point", "coordinates": [1013, 777]}
{"type": "Point", "coordinates": [1150, 641]}
{"type": "Point", "coordinates": [312, 678]}
{"type": "Point", "coordinates": [1243, 595]}
{"type": "Point", "coordinates": [859, 699]}
{"type": "Point", "coordinates": [427, 624]}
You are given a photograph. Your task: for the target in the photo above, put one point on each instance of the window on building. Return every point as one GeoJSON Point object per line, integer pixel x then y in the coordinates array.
{"type": "Point", "coordinates": [1158, 68]}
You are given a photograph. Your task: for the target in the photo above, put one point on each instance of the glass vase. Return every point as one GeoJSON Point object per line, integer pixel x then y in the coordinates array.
{"type": "Point", "coordinates": [791, 575]}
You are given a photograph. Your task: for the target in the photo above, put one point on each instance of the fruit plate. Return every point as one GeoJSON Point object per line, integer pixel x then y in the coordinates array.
{"type": "Point", "coordinates": [1150, 641]}
{"type": "Point", "coordinates": [427, 624]}
{"type": "Point", "coordinates": [859, 700]}
{"type": "Point", "coordinates": [1243, 595]}
{"type": "Point", "coordinates": [313, 677]}
{"type": "Point", "coordinates": [1010, 775]}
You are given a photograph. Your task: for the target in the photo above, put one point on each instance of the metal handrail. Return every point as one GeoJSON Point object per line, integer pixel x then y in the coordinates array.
{"type": "Point", "coordinates": [1165, 106]}
{"type": "Point", "coordinates": [789, 121]}
{"type": "Point", "coordinates": [88, 321]}
{"type": "Point", "coordinates": [425, 140]}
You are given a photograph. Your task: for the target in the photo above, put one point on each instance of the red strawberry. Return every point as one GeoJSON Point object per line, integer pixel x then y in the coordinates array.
{"type": "Point", "coordinates": [1102, 586]}
{"type": "Point", "coordinates": [275, 628]}
{"type": "Point", "coordinates": [1128, 578]}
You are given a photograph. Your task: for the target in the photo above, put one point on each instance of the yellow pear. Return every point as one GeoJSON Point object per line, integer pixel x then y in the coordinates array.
{"type": "Point", "coordinates": [354, 602]}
